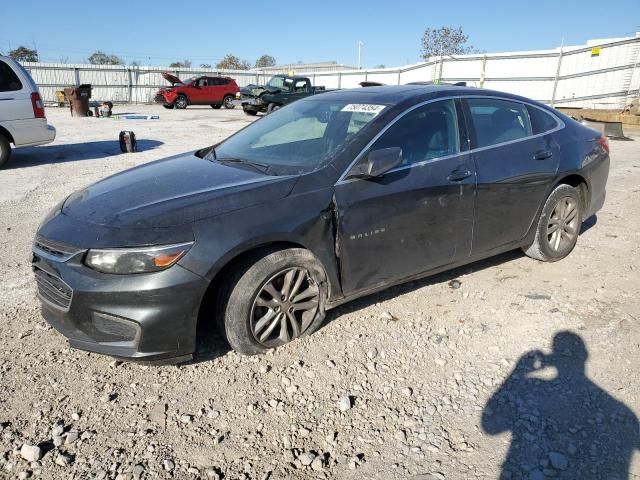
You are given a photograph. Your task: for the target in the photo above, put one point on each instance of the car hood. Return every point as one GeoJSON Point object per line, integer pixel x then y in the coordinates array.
{"type": "Point", "coordinates": [252, 90]}
{"type": "Point", "coordinates": [175, 191]}
{"type": "Point", "coordinates": [172, 79]}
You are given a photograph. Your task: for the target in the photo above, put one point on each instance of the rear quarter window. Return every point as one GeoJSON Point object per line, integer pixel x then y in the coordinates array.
{"type": "Point", "coordinates": [9, 81]}
{"type": "Point", "coordinates": [541, 121]}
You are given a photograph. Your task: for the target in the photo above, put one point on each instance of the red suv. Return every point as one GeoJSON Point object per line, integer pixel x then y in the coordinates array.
{"type": "Point", "coordinates": [214, 91]}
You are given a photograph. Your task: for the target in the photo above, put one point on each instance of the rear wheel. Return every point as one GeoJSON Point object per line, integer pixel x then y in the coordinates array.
{"type": "Point", "coordinates": [170, 107]}
{"type": "Point", "coordinates": [216, 106]}
{"type": "Point", "coordinates": [272, 301]}
{"type": "Point", "coordinates": [5, 151]}
{"type": "Point", "coordinates": [248, 111]}
{"type": "Point", "coordinates": [227, 101]}
{"type": "Point", "coordinates": [558, 227]}
{"type": "Point", "coordinates": [181, 102]}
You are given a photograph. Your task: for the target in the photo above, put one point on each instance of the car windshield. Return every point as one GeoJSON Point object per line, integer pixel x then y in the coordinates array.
{"type": "Point", "coordinates": [299, 138]}
{"type": "Point", "coordinates": [281, 83]}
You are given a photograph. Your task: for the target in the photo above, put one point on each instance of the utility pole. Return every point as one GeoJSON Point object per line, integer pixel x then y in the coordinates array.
{"type": "Point", "coordinates": [360, 44]}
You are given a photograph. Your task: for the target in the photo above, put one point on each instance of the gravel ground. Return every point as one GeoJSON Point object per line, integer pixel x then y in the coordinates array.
{"type": "Point", "coordinates": [476, 373]}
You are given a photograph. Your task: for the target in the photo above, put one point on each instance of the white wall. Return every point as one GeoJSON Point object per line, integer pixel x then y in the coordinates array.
{"type": "Point", "coordinates": [570, 76]}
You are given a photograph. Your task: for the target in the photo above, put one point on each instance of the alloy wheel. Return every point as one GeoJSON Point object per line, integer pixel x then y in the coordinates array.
{"type": "Point", "coordinates": [285, 307]}
{"type": "Point", "coordinates": [563, 224]}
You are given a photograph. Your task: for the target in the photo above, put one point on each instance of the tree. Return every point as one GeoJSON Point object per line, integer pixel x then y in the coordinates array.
{"type": "Point", "coordinates": [101, 58]}
{"type": "Point", "coordinates": [24, 54]}
{"type": "Point", "coordinates": [265, 61]}
{"type": "Point", "coordinates": [181, 64]}
{"type": "Point", "coordinates": [444, 41]}
{"type": "Point", "coordinates": [231, 62]}
{"type": "Point", "coordinates": [205, 65]}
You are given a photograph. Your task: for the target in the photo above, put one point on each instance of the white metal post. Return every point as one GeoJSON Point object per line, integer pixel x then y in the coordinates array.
{"type": "Point", "coordinates": [555, 82]}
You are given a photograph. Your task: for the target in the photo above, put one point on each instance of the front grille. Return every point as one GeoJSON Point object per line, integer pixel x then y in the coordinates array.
{"type": "Point", "coordinates": [53, 290]}
{"type": "Point", "coordinates": [54, 248]}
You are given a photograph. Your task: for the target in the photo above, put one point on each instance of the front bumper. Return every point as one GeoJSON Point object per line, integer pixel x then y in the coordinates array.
{"type": "Point", "coordinates": [247, 101]}
{"type": "Point", "coordinates": [146, 316]}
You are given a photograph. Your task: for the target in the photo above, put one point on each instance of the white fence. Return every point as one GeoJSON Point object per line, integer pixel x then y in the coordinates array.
{"type": "Point", "coordinates": [597, 75]}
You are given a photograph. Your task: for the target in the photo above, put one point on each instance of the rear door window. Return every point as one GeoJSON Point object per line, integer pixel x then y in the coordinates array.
{"type": "Point", "coordinates": [541, 121]}
{"type": "Point", "coordinates": [498, 121]}
{"type": "Point", "coordinates": [9, 81]}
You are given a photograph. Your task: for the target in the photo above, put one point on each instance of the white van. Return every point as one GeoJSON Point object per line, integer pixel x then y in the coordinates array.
{"type": "Point", "coordinates": [22, 118]}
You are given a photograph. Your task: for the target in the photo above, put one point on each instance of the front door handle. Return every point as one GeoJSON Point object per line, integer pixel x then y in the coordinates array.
{"type": "Point", "coordinates": [542, 154]}
{"type": "Point", "coordinates": [459, 174]}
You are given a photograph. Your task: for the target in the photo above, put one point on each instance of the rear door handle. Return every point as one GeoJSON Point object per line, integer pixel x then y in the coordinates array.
{"type": "Point", "coordinates": [542, 154]}
{"type": "Point", "coordinates": [459, 174]}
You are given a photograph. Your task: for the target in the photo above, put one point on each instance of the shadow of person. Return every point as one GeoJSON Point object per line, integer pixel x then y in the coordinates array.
{"type": "Point", "coordinates": [562, 426]}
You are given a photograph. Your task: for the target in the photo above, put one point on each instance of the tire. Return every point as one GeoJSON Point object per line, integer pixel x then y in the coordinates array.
{"type": "Point", "coordinates": [250, 112]}
{"type": "Point", "coordinates": [253, 320]}
{"type": "Point", "coordinates": [227, 101]}
{"type": "Point", "coordinates": [170, 107]}
{"type": "Point", "coordinates": [558, 226]}
{"type": "Point", "coordinates": [181, 102]}
{"type": "Point", "coordinates": [5, 151]}
{"type": "Point", "coordinates": [216, 106]}
{"type": "Point", "coordinates": [272, 108]}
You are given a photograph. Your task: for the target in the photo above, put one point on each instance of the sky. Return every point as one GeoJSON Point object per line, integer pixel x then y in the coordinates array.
{"type": "Point", "coordinates": [160, 32]}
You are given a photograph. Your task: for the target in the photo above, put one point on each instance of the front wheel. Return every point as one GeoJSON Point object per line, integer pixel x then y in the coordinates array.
{"type": "Point", "coordinates": [5, 151]}
{"type": "Point", "coordinates": [273, 300]}
{"type": "Point", "coordinates": [181, 102]}
{"type": "Point", "coordinates": [250, 112]}
{"type": "Point", "coordinates": [558, 227]}
{"type": "Point", "coordinates": [216, 106]}
{"type": "Point", "coordinates": [272, 108]}
{"type": "Point", "coordinates": [169, 107]}
{"type": "Point", "coordinates": [227, 101]}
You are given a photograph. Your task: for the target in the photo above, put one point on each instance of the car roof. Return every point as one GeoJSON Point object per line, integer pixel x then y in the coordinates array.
{"type": "Point", "coordinates": [396, 94]}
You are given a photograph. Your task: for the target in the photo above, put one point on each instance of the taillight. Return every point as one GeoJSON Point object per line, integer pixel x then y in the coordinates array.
{"type": "Point", "coordinates": [604, 143]}
{"type": "Point", "coordinates": [38, 106]}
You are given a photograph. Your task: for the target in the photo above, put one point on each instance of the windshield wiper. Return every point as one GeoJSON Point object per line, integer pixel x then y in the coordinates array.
{"type": "Point", "coordinates": [261, 167]}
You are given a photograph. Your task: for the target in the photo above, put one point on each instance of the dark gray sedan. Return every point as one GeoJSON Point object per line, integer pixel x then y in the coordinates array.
{"type": "Point", "coordinates": [331, 198]}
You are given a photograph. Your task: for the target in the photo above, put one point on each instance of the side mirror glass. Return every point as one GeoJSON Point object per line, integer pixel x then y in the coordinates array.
{"type": "Point", "coordinates": [378, 163]}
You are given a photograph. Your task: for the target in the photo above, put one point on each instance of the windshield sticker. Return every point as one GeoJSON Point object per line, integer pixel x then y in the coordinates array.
{"type": "Point", "coordinates": [363, 108]}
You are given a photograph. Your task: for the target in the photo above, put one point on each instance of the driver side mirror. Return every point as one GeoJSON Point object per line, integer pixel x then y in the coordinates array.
{"type": "Point", "coordinates": [378, 162]}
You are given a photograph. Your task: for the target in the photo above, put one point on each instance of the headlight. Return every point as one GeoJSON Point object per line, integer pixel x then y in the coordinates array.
{"type": "Point", "coordinates": [136, 260]}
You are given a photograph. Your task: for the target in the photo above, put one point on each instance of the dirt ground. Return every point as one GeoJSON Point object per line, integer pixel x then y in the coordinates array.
{"type": "Point", "coordinates": [525, 371]}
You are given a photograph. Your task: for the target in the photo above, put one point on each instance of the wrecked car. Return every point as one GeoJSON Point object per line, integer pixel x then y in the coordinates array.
{"type": "Point", "coordinates": [202, 90]}
{"type": "Point", "coordinates": [331, 198]}
{"type": "Point", "coordinates": [281, 90]}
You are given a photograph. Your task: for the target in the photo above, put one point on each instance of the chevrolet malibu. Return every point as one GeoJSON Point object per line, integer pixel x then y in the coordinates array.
{"type": "Point", "coordinates": [331, 198]}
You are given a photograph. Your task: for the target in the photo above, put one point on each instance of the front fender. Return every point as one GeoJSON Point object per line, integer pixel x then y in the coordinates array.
{"type": "Point", "coordinates": [305, 220]}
